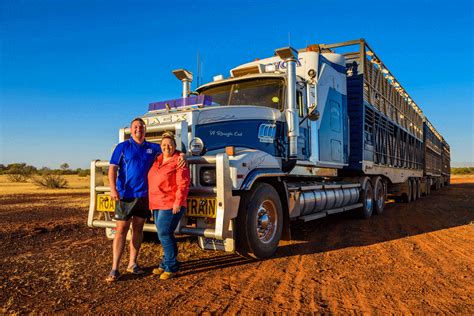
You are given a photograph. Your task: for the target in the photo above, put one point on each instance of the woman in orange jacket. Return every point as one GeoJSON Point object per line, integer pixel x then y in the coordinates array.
{"type": "Point", "coordinates": [168, 187]}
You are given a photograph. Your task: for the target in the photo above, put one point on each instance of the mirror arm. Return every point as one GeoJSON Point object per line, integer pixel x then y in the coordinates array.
{"type": "Point", "coordinates": [307, 115]}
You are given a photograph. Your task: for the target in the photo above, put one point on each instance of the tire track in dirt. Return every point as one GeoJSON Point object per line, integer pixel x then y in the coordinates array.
{"type": "Point", "coordinates": [317, 263]}
{"type": "Point", "coordinates": [249, 280]}
{"type": "Point", "coordinates": [447, 267]}
{"type": "Point", "coordinates": [288, 290]}
{"type": "Point", "coordinates": [306, 285]}
{"type": "Point", "coordinates": [212, 291]}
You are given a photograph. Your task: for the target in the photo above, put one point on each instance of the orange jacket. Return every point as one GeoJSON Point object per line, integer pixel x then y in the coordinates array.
{"type": "Point", "coordinates": [168, 185]}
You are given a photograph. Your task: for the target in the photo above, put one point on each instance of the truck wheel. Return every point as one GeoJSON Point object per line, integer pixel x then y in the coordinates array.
{"type": "Point", "coordinates": [259, 222]}
{"type": "Point", "coordinates": [418, 189]}
{"type": "Point", "coordinates": [367, 199]}
{"type": "Point", "coordinates": [379, 195]}
{"type": "Point", "coordinates": [414, 195]}
{"type": "Point", "coordinates": [407, 198]}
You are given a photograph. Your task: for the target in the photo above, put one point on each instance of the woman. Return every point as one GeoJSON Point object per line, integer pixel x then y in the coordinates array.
{"type": "Point", "coordinates": [168, 187]}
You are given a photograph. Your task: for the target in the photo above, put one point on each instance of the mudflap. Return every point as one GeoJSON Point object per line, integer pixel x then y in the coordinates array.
{"type": "Point", "coordinates": [227, 245]}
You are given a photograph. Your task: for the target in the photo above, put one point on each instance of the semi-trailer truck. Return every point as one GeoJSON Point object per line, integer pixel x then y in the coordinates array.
{"type": "Point", "coordinates": [296, 136]}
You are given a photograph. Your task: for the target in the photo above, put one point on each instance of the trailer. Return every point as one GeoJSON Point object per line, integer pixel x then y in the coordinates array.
{"type": "Point", "coordinates": [299, 135]}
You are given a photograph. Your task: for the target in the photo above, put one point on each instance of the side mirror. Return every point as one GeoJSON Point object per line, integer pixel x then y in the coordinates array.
{"type": "Point", "coordinates": [313, 115]}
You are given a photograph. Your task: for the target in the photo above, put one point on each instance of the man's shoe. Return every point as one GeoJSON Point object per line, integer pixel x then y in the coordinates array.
{"type": "Point", "coordinates": [158, 271]}
{"type": "Point", "coordinates": [167, 275]}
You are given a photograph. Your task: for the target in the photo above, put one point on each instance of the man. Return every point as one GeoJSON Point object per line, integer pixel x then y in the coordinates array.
{"type": "Point", "coordinates": [128, 172]}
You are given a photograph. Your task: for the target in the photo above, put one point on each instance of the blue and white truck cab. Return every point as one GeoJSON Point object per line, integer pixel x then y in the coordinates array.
{"type": "Point", "coordinates": [267, 145]}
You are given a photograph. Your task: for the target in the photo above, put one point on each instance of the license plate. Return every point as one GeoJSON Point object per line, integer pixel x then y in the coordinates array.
{"type": "Point", "coordinates": [201, 207]}
{"type": "Point", "coordinates": [105, 203]}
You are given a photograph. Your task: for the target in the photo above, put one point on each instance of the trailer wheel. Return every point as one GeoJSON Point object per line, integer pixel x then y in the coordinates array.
{"type": "Point", "coordinates": [259, 222]}
{"type": "Point", "coordinates": [414, 195]}
{"type": "Point", "coordinates": [418, 189]}
{"type": "Point", "coordinates": [379, 195]}
{"type": "Point", "coordinates": [367, 199]}
{"type": "Point", "coordinates": [407, 198]}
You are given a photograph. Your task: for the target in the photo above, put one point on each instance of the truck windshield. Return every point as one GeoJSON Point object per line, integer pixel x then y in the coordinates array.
{"type": "Point", "coordinates": [266, 92]}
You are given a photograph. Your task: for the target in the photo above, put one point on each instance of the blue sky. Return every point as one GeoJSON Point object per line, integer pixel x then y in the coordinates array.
{"type": "Point", "coordinates": [73, 72]}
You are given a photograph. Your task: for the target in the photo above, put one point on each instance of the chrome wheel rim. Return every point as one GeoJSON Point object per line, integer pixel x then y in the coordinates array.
{"type": "Point", "coordinates": [379, 196]}
{"type": "Point", "coordinates": [266, 221]}
{"type": "Point", "coordinates": [368, 198]}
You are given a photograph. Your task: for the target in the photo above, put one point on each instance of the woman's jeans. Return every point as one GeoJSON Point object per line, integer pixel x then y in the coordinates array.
{"type": "Point", "coordinates": [166, 222]}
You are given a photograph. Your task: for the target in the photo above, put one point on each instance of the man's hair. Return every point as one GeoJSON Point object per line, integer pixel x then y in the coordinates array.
{"type": "Point", "coordinates": [169, 135]}
{"type": "Point", "coordinates": [137, 119]}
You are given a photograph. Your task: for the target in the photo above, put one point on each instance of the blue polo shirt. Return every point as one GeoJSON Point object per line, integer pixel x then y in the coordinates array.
{"type": "Point", "coordinates": [134, 161]}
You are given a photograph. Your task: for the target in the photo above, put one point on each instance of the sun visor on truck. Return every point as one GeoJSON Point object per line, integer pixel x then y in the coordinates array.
{"type": "Point", "coordinates": [197, 101]}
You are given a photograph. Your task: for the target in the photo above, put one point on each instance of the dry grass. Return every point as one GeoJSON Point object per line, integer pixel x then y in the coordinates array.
{"type": "Point", "coordinates": [75, 184]}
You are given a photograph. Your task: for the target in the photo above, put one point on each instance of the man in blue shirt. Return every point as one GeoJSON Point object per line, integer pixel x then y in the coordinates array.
{"type": "Point", "coordinates": [128, 181]}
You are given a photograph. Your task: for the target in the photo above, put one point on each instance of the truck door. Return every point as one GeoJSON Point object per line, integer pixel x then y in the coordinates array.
{"type": "Point", "coordinates": [303, 139]}
{"type": "Point", "coordinates": [331, 129]}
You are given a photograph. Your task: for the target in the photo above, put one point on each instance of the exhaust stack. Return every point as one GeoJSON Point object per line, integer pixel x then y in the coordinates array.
{"type": "Point", "coordinates": [186, 78]}
{"type": "Point", "coordinates": [290, 56]}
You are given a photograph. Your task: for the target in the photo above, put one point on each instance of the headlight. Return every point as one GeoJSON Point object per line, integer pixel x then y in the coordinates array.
{"type": "Point", "coordinates": [196, 146]}
{"type": "Point", "coordinates": [207, 176]}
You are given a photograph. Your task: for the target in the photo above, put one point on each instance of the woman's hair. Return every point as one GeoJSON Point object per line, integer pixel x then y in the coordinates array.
{"type": "Point", "coordinates": [169, 135]}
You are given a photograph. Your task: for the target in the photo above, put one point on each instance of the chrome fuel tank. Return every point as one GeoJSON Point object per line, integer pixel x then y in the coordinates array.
{"type": "Point", "coordinates": [319, 200]}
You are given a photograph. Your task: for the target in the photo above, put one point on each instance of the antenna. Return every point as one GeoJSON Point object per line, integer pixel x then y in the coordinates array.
{"type": "Point", "coordinates": [289, 39]}
{"type": "Point", "coordinates": [198, 69]}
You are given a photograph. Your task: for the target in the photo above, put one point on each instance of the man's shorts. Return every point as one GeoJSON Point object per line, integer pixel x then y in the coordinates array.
{"type": "Point", "coordinates": [126, 208]}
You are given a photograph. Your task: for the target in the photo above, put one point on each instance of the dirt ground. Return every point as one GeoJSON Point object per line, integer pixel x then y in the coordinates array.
{"type": "Point", "coordinates": [415, 258]}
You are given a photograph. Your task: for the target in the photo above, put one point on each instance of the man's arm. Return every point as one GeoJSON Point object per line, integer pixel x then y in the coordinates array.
{"type": "Point", "coordinates": [114, 195]}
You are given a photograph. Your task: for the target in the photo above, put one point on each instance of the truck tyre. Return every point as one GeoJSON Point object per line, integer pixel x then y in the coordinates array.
{"type": "Point", "coordinates": [367, 199]}
{"type": "Point", "coordinates": [407, 198]}
{"type": "Point", "coordinates": [259, 222]}
{"type": "Point", "coordinates": [418, 189]}
{"type": "Point", "coordinates": [414, 195]}
{"type": "Point", "coordinates": [379, 195]}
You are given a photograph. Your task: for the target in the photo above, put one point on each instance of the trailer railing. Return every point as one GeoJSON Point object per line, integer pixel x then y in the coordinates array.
{"type": "Point", "coordinates": [381, 89]}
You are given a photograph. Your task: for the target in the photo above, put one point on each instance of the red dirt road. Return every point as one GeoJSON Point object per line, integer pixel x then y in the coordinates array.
{"type": "Point", "coordinates": [415, 258]}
